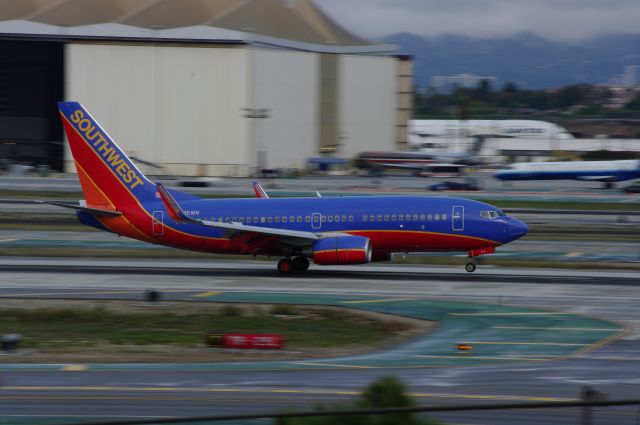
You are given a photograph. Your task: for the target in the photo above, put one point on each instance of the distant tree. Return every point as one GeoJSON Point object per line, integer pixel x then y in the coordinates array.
{"type": "Point", "coordinates": [484, 91]}
{"type": "Point", "coordinates": [570, 95]}
{"type": "Point", "coordinates": [510, 88]}
{"type": "Point", "coordinates": [634, 104]}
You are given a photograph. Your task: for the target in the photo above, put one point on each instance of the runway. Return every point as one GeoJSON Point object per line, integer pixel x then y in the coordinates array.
{"type": "Point", "coordinates": [82, 391]}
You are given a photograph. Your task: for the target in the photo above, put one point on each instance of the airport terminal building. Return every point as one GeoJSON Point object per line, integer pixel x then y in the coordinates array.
{"type": "Point", "coordinates": [201, 87]}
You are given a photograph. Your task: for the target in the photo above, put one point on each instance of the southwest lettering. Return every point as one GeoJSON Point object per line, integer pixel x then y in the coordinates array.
{"type": "Point", "coordinates": [137, 182]}
{"type": "Point", "coordinates": [84, 125]}
{"type": "Point", "coordinates": [122, 169]}
{"type": "Point", "coordinates": [128, 177]}
{"type": "Point", "coordinates": [113, 158]}
{"type": "Point", "coordinates": [110, 154]}
{"type": "Point", "coordinates": [77, 116]}
{"type": "Point", "coordinates": [94, 133]}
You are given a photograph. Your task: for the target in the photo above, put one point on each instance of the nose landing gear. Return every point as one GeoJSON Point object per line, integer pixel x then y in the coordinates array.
{"type": "Point", "coordinates": [297, 265]}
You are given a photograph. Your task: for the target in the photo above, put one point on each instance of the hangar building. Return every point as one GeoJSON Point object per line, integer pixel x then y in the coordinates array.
{"type": "Point", "coordinates": [202, 87]}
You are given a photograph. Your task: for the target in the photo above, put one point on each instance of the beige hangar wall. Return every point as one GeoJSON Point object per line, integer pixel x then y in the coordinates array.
{"type": "Point", "coordinates": [285, 83]}
{"type": "Point", "coordinates": [179, 106]}
{"type": "Point", "coordinates": [367, 96]}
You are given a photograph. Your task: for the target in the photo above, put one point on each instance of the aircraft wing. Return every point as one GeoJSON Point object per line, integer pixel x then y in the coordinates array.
{"type": "Point", "coordinates": [294, 237]}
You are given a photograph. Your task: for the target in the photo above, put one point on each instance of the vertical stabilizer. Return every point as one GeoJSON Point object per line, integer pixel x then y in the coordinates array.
{"type": "Point", "coordinates": [108, 177]}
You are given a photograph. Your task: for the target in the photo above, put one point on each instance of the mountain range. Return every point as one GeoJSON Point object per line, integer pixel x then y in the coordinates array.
{"type": "Point", "coordinates": [526, 59]}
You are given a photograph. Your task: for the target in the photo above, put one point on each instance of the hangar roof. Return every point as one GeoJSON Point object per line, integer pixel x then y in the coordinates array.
{"type": "Point", "coordinates": [296, 24]}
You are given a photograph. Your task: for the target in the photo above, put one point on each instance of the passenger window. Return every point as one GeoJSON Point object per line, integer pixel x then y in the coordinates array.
{"type": "Point", "coordinates": [350, 218]}
{"type": "Point", "coordinates": [330, 219]}
{"type": "Point", "coordinates": [284, 219]}
{"type": "Point", "coordinates": [344, 218]}
{"type": "Point", "coordinates": [277, 219]}
{"type": "Point", "coordinates": [299, 219]}
{"type": "Point", "coordinates": [386, 217]}
{"type": "Point", "coordinates": [379, 218]}
{"type": "Point", "coordinates": [408, 217]}
{"type": "Point", "coordinates": [337, 219]}
{"type": "Point", "coordinates": [429, 217]}
{"type": "Point", "coordinates": [324, 218]}
{"type": "Point", "coordinates": [248, 219]}
{"type": "Point", "coordinates": [292, 219]}
{"type": "Point", "coordinates": [220, 219]}
{"type": "Point", "coordinates": [307, 219]}
{"type": "Point", "coordinates": [393, 217]}
{"type": "Point", "coordinates": [372, 218]}
{"type": "Point", "coordinates": [270, 219]}
{"type": "Point", "coordinates": [226, 219]}
{"type": "Point", "coordinates": [255, 220]}
{"type": "Point", "coordinates": [422, 217]}
{"type": "Point", "coordinates": [444, 216]}
{"type": "Point", "coordinates": [364, 218]}
{"type": "Point", "coordinates": [415, 217]}
{"type": "Point", "coordinates": [262, 220]}
{"type": "Point", "coordinates": [437, 217]}
{"type": "Point", "coordinates": [400, 217]}
{"type": "Point", "coordinates": [241, 220]}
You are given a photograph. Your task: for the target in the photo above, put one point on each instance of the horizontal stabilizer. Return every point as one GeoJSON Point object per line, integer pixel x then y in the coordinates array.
{"type": "Point", "coordinates": [174, 209]}
{"type": "Point", "coordinates": [93, 211]}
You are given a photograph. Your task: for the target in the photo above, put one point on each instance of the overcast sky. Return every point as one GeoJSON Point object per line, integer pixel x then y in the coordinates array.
{"type": "Point", "coordinates": [562, 20]}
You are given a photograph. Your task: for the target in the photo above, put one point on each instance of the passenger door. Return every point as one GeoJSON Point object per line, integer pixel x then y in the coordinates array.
{"type": "Point", "coordinates": [457, 218]}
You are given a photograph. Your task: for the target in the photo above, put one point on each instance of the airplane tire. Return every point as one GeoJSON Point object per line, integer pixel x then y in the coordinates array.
{"type": "Point", "coordinates": [285, 266]}
{"type": "Point", "coordinates": [300, 264]}
{"type": "Point", "coordinates": [470, 267]}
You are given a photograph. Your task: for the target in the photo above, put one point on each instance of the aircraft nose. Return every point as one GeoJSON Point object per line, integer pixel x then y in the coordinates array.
{"type": "Point", "coordinates": [518, 229]}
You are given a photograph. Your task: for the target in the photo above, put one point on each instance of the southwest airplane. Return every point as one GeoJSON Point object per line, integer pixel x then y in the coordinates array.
{"type": "Point", "coordinates": [607, 172]}
{"type": "Point", "coordinates": [328, 230]}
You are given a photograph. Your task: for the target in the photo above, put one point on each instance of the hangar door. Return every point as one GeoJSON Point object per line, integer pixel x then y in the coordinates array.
{"type": "Point", "coordinates": [31, 82]}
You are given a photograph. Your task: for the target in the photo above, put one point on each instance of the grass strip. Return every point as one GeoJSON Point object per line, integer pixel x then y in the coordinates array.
{"type": "Point", "coordinates": [52, 328]}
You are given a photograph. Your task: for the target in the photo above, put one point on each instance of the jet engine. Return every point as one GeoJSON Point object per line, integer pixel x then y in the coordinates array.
{"type": "Point", "coordinates": [341, 250]}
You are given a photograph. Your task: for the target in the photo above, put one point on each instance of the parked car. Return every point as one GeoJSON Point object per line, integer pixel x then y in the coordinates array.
{"type": "Point", "coordinates": [632, 188]}
{"type": "Point", "coordinates": [454, 185]}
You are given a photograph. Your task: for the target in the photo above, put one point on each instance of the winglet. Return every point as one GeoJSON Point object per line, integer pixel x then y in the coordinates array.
{"type": "Point", "coordinates": [172, 206]}
{"type": "Point", "coordinates": [260, 193]}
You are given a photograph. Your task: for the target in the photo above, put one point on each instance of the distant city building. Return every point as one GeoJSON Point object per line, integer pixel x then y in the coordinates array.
{"type": "Point", "coordinates": [446, 82]}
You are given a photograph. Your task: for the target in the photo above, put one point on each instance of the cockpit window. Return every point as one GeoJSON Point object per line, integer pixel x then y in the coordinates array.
{"type": "Point", "coordinates": [492, 214]}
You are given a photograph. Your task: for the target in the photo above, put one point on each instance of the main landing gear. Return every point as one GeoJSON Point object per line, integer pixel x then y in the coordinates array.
{"type": "Point", "coordinates": [297, 265]}
{"type": "Point", "coordinates": [470, 267]}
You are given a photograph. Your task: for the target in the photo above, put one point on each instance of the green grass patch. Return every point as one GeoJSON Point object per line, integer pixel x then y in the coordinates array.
{"type": "Point", "coordinates": [68, 328]}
